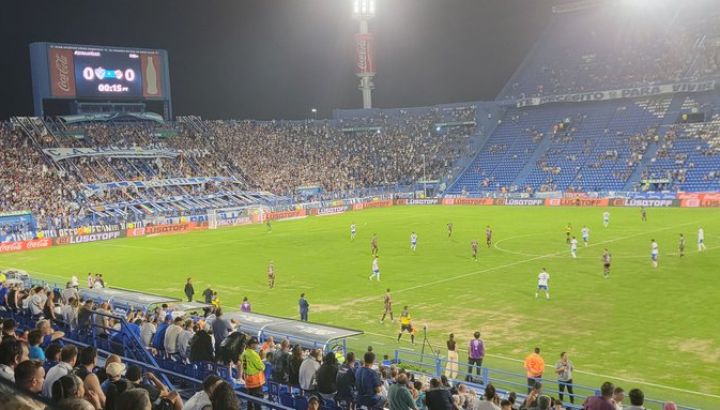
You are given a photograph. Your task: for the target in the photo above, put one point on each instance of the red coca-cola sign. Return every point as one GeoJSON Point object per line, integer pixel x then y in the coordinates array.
{"type": "Point", "coordinates": [62, 72]}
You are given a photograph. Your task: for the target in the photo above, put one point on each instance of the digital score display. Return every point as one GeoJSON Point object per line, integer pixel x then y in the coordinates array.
{"type": "Point", "coordinates": [107, 73]}
{"type": "Point", "coordinates": [96, 72]}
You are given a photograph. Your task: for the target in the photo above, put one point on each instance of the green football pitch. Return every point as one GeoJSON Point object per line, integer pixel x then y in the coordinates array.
{"type": "Point", "coordinates": [657, 329]}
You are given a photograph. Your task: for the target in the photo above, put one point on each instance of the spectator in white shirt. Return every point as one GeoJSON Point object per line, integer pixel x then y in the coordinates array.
{"type": "Point", "coordinates": [68, 357]}
{"type": "Point", "coordinates": [201, 399]}
{"type": "Point", "coordinates": [171, 336]}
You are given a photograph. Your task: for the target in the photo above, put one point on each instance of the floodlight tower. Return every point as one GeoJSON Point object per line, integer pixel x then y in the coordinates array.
{"type": "Point", "coordinates": [363, 11]}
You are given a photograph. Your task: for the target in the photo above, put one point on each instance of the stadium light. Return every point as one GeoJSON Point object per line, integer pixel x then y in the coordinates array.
{"type": "Point", "coordinates": [364, 9]}
{"type": "Point", "coordinates": [314, 112]}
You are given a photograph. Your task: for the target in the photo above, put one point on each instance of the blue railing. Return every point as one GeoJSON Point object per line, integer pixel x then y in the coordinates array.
{"type": "Point", "coordinates": [504, 381]}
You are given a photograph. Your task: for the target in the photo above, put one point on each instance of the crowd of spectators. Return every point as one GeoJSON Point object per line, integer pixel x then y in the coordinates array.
{"type": "Point", "coordinates": [675, 45]}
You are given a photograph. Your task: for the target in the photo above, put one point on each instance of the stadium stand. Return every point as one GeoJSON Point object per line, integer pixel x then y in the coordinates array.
{"type": "Point", "coordinates": [119, 340]}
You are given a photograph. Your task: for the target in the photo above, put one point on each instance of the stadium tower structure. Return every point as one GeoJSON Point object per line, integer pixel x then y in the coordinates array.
{"type": "Point", "coordinates": [364, 10]}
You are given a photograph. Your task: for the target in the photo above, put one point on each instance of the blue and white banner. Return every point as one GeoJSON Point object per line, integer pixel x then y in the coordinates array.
{"type": "Point", "coordinates": [635, 92]}
{"type": "Point", "coordinates": [157, 183]}
{"type": "Point", "coordinates": [58, 154]}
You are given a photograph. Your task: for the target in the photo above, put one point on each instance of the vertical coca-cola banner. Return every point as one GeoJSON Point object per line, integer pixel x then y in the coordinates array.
{"type": "Point", "coordinates": [364, 54]}
{"type": "Point", "coordinates": [62, 72]}
{"type": "Point", "coordinates": [151, 75]}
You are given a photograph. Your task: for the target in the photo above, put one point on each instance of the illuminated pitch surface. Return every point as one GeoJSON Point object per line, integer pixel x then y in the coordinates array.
{"type": "Point", "coordinates": [658, 326]}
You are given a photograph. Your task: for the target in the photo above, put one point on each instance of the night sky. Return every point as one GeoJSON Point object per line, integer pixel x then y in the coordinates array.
{"type": "Point", "coordinates": [267, 59]}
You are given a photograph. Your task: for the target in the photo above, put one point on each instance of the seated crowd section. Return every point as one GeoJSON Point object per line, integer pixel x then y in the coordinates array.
{"type": "Point", "coordinates": [614, 46]}
{"type": "Point", "coordinates": [60, 351]}
{"type": "Point", "coordinates": [132, 170]}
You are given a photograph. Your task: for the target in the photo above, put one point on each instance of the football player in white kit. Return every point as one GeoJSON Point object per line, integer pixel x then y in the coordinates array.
{"type": "Point", "coordinates": [375, 269]}
{"type": "Point", "coordinates": [573, 247]}
{"type": "Point", "coordinates": [353, 232]}
{"type": "Point", "coordinates": [585, 235]}
{"type": "Point", "coordinates": [413, 241]}
{"type": "Point", "coordinates": [543, 279]}
{"type": "Point", "coordinates": [701, 239]}
{"type": "Point", "coordinates": [654, 253]}
{"type": "Point", "coordinates": [606, 218]}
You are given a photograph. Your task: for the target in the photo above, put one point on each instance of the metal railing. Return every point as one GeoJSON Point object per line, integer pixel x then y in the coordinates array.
{"type": "Point", "coordinates": [504, 381]}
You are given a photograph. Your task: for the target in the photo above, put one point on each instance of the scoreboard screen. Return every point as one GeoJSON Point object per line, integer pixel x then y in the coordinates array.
{"type": "Point", "coordinates": [66, 71]}
{"type": "Point", "coordinates": [99, 73]}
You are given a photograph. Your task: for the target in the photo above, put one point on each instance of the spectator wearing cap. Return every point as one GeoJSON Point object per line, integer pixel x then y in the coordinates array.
{"type": "Point", "coordinates": [201, 399]}
{"type": "Point", "coordinates": [115, 384]}
{"type": "Point", "coordinates": [253, 370]}
{"type": "Point", "coordinates": [68, 358]}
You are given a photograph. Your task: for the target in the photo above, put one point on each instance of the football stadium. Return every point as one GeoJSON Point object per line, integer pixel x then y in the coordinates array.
{"type": "Point", "coordinates": [296, 227]}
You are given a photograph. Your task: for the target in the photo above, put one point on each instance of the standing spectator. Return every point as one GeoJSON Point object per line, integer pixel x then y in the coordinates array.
{"type": "Point", "coordinates": [308, 371]}
{"type": "Point", "coordinates": [85, 316]}
{"type": "Point", "coordinates": [345, 380]}
{"type": "Point", "coordinates": [245, 306]}
{"type": "Point", "coordinates": [102, 322]}
{"type": "Point", "coordinates": [221, 327]}
{"type": "Point", "coordinates": [369, 385]}
{"type": "Point", "coordinates": [438, 397]}
{"type": "Point", "coordinates": [30, 376]}
{"type": "Point", "coordinates": [637, 400]}
{"type": "Point", "coordinates": [201, 399]}
{"type": "Point", "coordinates": [201, 347]}
{"type": "Point", "coordinates": [280, 363]}
{"type": "Point", "coordinates": [158, 341]}
{"type": "Point", "coordinates": [296, 360]}
{"type": "Point", "coordinates": [451, 368]}
{"type": "Point", "coordinates": [304, 307]}
{"type": "Point", "coordinates": [253, 370]}
{"type": "Point", "coordinates": [534, 366]}
{"type": "Point", "coordinates": [183, 341]}
{"type": "Point", "coordinates": [564, 368]}
{"type": "Point", "coordinates": [618, 398]}
{"type": "Point", "coordinates": [399, 396]}
{"type": "Point", "coordinates": [70, 291]}
{"type": "Point", "coordinates": [602, 402]}
{"type": "Point", "coordinates": [68, 358]}
{"type": "Point", "coordinates": [147, 330]}
{"type": "Point", "coordinates": [476, 353]}
{"type": "Point", "coordinates": [208, 295]}
{"type": "Point", "coordinates": [70, 313]}
{"type": "Point", "coordinates": [189, 290]}
{"type": "Point", "coordinates": [90, 281]}
{"type": "Point", "coordinates": [327, 377]}
{"type": "Point", "coordinates": [171, 337]}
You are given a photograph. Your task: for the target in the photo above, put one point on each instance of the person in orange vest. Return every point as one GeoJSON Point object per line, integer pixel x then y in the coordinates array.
{"type": "Point", "coordinates": [534, 365]}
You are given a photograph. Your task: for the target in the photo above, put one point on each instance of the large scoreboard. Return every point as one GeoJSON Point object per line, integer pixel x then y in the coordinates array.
{"type": "Point", "coordinates": [67, 76]}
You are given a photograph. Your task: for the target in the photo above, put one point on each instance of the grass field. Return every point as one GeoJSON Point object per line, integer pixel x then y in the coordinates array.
{"type": "Point", "coordinates": [656, 329]}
